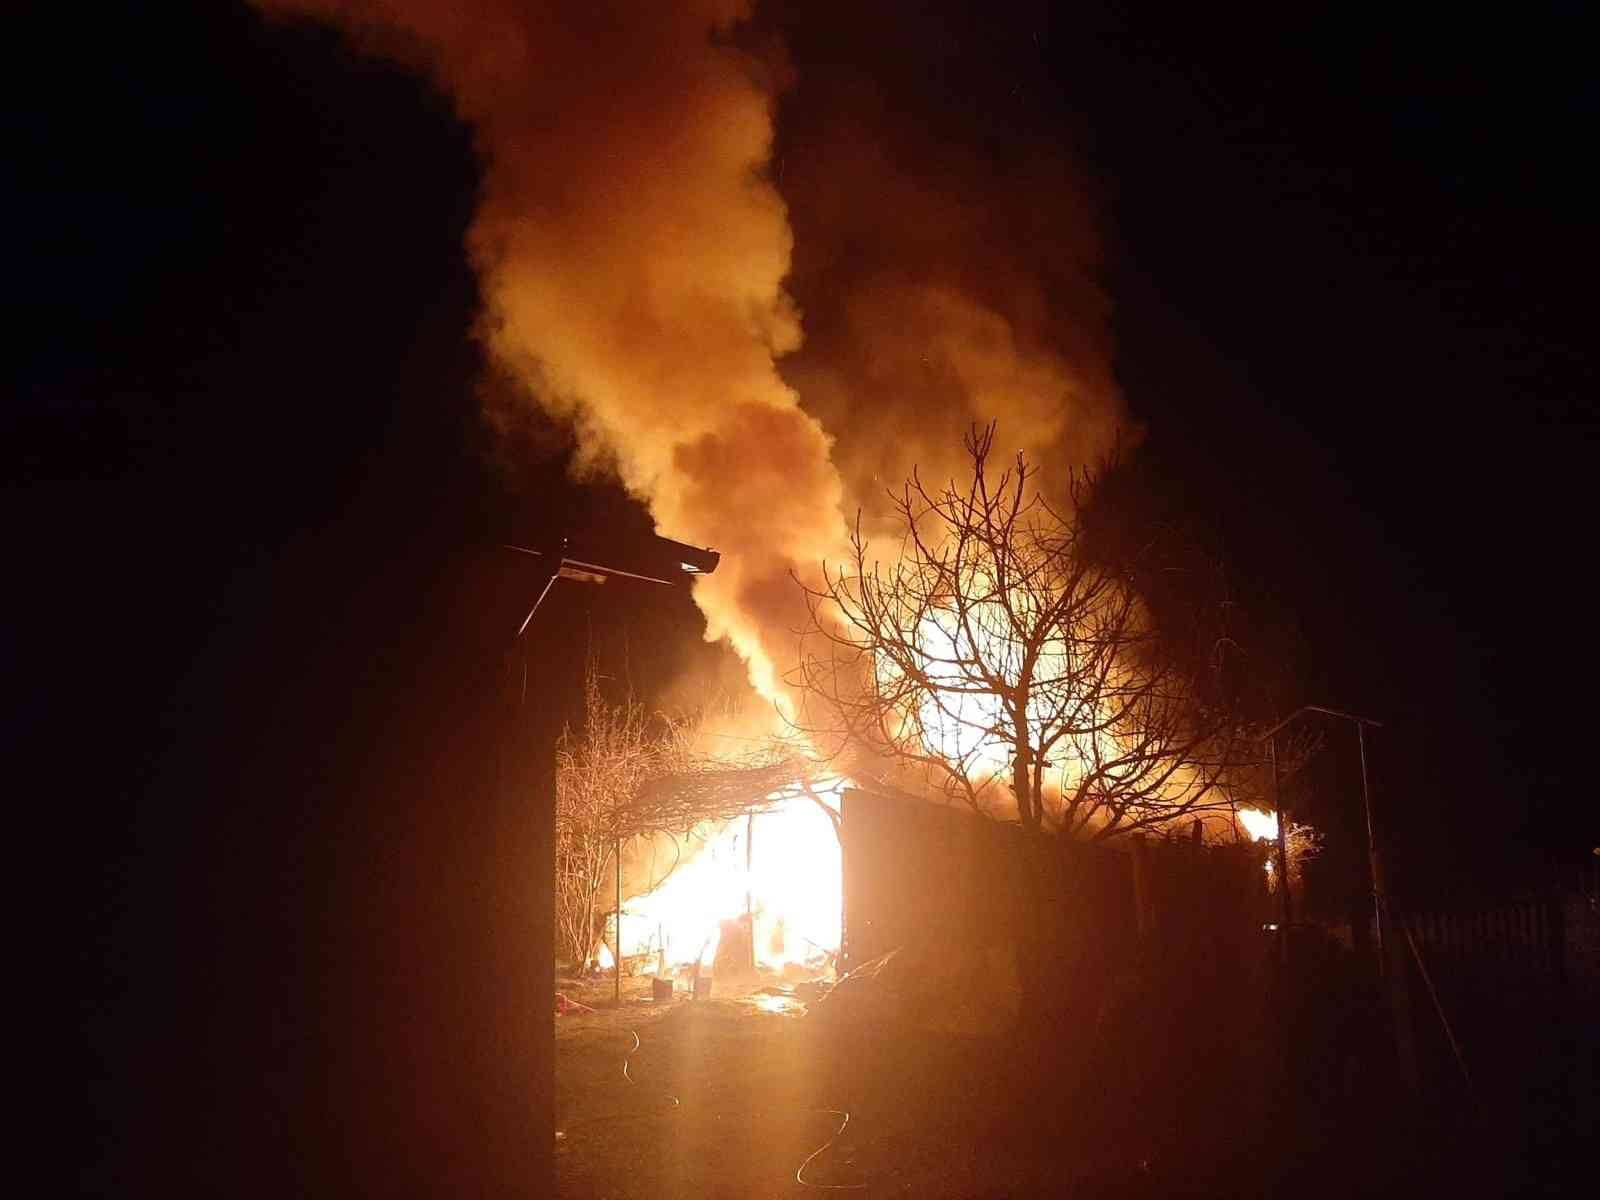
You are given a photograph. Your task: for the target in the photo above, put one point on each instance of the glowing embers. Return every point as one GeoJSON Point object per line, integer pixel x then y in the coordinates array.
{"type": "Point", "coordinates": [778, 1003]}
{"type": "Point", "coordinates": [1260, 826]}
{"type": "Point", "coordinates": [784, 866]}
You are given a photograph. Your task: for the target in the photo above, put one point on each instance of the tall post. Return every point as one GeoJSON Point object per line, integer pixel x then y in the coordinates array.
{"type": "Point", "coordinates": [1391, 946]}
{"type": "Point", "coordinates": [1374, 863]}
{"type": "Point", "coordinates": [844, 962]}
{"type": "Point", "coordinates": [749, 884]}
{"type": "Point", "coordinates": [616, 957]}
{"type": "Point", "coordinates": [1283, 847]}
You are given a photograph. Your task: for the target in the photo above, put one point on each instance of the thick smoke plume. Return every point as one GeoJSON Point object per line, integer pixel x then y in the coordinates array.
{"type": "Point", "coordinates": [950, 277]}
{"type": "Point", "coordinates": [634, 245]}
{"type": "Point", "coordinates": [632, 252]}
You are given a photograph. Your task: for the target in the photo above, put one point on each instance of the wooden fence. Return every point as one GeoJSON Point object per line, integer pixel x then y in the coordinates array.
{"type": "Point", "coordinates": [1503, 1004]}
{"type": "Point", "coordinates": [1524, 940]}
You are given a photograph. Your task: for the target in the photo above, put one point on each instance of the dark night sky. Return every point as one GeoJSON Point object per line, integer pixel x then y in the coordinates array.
{"type": "Point", "coordinates": [245, 474]}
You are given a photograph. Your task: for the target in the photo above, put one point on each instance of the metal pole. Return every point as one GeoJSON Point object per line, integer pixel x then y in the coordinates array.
{"type": "Point", "coordinates": [1374, 865]}
{"type": "Point", "coordinates": [1391, 957]}
{"type": "Point", "coordinates": [841, 964]}
{"type": "Point", "coordinates": [1283, 846]}
{"type": "Point", "coordinates": [749, 899]}
{"type": "Point", "coordinates": [616, 959]}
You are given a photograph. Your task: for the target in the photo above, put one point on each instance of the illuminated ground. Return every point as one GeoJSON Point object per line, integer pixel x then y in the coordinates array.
{"type": "Point", "coordinates": [745, 1077]}
{"type": "Point", "coordinates": [939, 1116]}
{"type": "Point", "coordinates": [929, 1117]}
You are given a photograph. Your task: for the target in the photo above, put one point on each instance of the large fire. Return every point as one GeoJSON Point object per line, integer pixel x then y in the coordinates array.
{"type": "Point", "coordinates": [958, 723]}
{"type": "Point", "coordinates": [784, 864]}
{"type": "Point", "coordinates": [972, 656]}
{"type": "Point", "coordinates": [1261, 826]}
{"type": "Point", "coordinates": [965, 721]}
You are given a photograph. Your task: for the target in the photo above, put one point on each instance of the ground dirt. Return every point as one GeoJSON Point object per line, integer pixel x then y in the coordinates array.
{"type": "Point", "coordinates": [761, 1087]}
{"type": "Point", "coordinates": [733, 1095]}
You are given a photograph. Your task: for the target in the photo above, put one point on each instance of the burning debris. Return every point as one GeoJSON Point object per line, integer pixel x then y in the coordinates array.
{"type": "Point", "coordinates": [754, 895]}
{"type": "Point", "coordinates": [1258, 825]}
{"type": "Point", "coordinates": [707, 863]}
{"type": "Point", "coordinates": [1303, 843]}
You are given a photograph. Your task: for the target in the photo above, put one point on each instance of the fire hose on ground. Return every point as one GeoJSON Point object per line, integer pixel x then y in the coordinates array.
{"type": "Point", "coordinates": [676, 1104]}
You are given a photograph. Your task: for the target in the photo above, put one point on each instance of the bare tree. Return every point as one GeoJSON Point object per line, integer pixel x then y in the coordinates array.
{"type": "Point", "coordinates": [630, 774]}
{"type": "Point", "coordinates": [994, 656]}
{"type": "Point", "coordinates": [596, 774]}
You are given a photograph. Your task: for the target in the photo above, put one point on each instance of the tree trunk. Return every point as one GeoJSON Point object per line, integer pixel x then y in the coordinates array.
{"type": "Point", "coordinates": [1032, 968]}
{"type": "Point", "coordinates": [1028, 805]}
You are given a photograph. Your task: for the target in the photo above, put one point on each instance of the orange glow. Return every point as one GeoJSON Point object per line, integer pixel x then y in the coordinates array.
{"type": "Point", "coordinates": [783, 1006]}
{"type": "Point", "coordinates": [959, 725]}
{"type": "Point", "coordinates": [793, 882]}
{"type": "Point", "coordinates": [967, 725]}
{"type": "Point", "coordinates": [1259, 825]}
{"type": "Point", "coordinates": [966, 722]}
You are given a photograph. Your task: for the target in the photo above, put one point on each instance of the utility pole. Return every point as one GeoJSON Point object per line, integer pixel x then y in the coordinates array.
{"type": "Point", "coordinates": [1391, 956]}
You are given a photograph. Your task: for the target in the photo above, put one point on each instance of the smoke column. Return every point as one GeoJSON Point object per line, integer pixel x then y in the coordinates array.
{"type": "Point", "coordinates": [632, 253]}
{"type": "Point", "coordinates": [633, 249]}
{"type": "Point", "coordinates": [948, 259]}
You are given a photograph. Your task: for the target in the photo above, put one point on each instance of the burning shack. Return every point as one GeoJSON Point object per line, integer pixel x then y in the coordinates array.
{"type": "Point", "coordinates": [735, 895]}
{"type": "Point", "coordinates": [824, 878]}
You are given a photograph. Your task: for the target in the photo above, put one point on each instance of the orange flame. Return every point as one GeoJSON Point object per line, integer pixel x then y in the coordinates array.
{"type": "Point", "coordinates": [790, 870]}
{"type": "Point", "coordinates": [1259, 825]}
